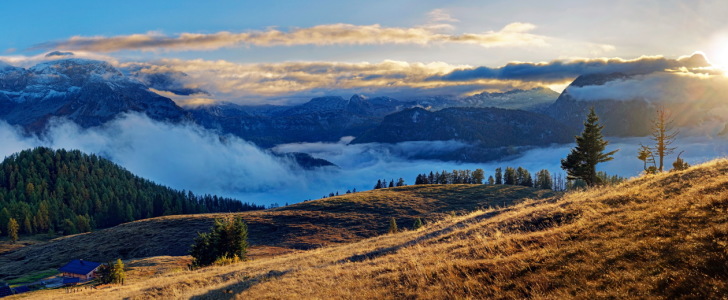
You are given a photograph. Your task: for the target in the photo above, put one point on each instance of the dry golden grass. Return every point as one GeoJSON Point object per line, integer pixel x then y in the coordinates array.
{"type": "Point", "coordinates": [655, 237]}
{"type": "Point", "coordinates": [308, 225]}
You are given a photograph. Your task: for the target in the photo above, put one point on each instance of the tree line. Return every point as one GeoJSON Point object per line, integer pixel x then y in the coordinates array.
{"type": "Point", "coordinates": [510, 176]}
{"type": "Point", "coordinates": [454, 177]}
{"type": "Point", "coordinates": [66, 192]}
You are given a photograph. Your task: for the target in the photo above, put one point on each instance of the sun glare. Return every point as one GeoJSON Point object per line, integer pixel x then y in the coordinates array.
{"type": "Point", "coordinates": [718, 54]}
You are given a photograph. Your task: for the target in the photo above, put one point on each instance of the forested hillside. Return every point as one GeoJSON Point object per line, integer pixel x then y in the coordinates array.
{"type": "Point", "coordinates": [68, 192]}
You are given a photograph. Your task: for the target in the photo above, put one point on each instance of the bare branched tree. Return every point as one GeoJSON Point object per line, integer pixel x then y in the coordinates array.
{"type": "Point", "coordinates": [664, 135]}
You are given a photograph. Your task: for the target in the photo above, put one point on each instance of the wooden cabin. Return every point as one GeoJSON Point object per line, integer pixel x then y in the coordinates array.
{"type": "Point", "coordinates": [81, 269]}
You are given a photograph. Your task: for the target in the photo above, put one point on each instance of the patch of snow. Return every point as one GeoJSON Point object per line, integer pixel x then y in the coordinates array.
{"type": "Point", "coordinates": [415, 117]}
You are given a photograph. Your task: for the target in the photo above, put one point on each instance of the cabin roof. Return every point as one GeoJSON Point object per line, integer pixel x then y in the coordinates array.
{"type": "Point", "coordinates": [79, 266]}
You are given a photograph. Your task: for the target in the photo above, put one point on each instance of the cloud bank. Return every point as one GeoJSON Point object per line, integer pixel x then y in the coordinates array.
{"type": "Point", "coordinates": [513, 34]}
{"type": "Point", "coordinates": [658, 87]}
{"type": "Point", "coordinates": [296, 82]}
{"type": "Point", "coordinates": [558, 70]}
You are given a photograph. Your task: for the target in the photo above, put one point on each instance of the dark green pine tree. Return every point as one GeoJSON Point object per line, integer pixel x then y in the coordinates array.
{"type": "Point", "coordinates": [478, 176]}
{"type": "Point", "coordinates": [509, 177]}
{"type": "Point", "coordinates": [543, 180]}
{"type": "Point", "coordinates": [581, 163]}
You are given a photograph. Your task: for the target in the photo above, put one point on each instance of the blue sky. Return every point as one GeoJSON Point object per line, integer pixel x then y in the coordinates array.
{"type": "Point", "coordinates": [260, 38]}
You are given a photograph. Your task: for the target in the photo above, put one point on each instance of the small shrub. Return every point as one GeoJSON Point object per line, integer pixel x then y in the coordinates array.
{"type": "Point", "coordinates": [417, 224]}
{"type": "Point", "coordinates": [225, 260]}
{"type": "Point", "coordinates": [393, 225]}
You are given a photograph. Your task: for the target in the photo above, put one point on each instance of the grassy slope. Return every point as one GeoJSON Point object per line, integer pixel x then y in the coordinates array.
{"type": "Point", "coordinates": [306, 225]}
{"type": "Point", "coordinates": [662, 236]}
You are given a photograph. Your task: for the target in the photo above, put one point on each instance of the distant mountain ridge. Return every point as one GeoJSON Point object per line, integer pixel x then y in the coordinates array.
{"type": "Point", "coordinates": [321, 119]}
{"type": "Point", "coordinates": [490, 127]}
{"type": "Point", "coordinates": [536, 100]}
{"type": "Point", "coordinates": [87, 92]}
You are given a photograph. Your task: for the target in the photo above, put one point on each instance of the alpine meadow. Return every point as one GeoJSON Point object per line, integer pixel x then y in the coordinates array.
{"type": "Point", "coordinates": [399, 149]}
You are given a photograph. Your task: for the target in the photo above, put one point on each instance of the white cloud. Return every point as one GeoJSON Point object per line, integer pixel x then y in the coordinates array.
{"type": "Point", "coordinates": [25, 61]}
{"type": "Point", "coordinates": [512, 35]}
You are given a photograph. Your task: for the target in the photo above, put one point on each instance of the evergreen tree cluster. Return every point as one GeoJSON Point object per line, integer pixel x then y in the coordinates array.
{"type": "Point", "coordinates": [520, 176]}
{"type": "Point", "coordinates": [228, 240]}
{"type": "Point", "coordinates": [68, 192]}
{"type": "Point", "coordinates": [382, 183]}
{"type": "Point", "coordinates": [112, 272]}
{"type": "Point", "coordinates": [454, 177]}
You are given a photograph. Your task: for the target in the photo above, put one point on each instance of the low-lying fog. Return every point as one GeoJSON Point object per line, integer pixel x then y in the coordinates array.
{"type": "Point", "coordinates": [191, 158]}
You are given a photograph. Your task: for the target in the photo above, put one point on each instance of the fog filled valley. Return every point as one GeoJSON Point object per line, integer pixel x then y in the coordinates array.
{"type": "Point", "coordinates": [188, 157]}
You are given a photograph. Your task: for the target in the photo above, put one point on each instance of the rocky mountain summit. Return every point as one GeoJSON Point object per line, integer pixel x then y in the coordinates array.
{"type": "Point", "coordinates": [88, 92]}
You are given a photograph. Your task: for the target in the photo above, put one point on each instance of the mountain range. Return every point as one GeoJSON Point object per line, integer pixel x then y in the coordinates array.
{"type": "Point", "coordinates": [90, 93]}
{"type": "Point", "coordinates": [86, 92]}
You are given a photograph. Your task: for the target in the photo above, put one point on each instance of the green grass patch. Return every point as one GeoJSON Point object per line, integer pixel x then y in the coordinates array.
{"type": "Point", "coordinates": [33, 277]}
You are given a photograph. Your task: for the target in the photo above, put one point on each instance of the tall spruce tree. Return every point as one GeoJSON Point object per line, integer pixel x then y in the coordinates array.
{"type": "Point", "coordinates": [498, 176]}
{"type": "Point", "coordinates": [581, 163]}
